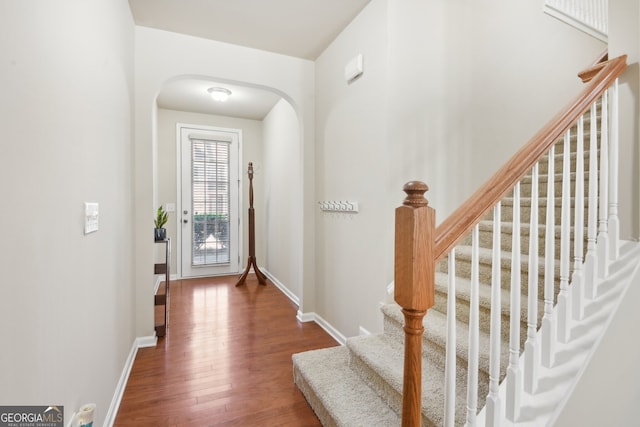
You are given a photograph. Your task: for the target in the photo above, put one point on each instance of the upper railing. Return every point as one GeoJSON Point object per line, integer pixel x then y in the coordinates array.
{"type": "Point", "coordinates": [420, 246]}
{"type": "Point", "coordinates": [589, 16]}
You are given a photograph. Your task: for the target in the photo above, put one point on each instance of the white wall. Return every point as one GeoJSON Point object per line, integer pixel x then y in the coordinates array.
{"type": "Point", "coordinates": [354, 251]}
{"type": "Point", "coordinates": [624, 38]}
{"type": "Point", "coordinates": [66, 299]}
{"type": "Point", "coordinates": [518, 67]}
{"type": "Point", "coordinates": [181, 56]}
{"type": "Point", "coordinates": [252, 148]}
{"type": "Point", "coordinates": [282, 189]}
{"type": "Point", "coordinates": [608, 391]}
{"type": "Point", "coordinates": [450, 90]}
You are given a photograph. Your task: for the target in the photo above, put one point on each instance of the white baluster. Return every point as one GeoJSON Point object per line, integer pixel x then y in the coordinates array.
{"type": "Point", "coordinates": [548, 329]}
{"type": "Point", "coordinates": [450, 361]}
{"type": "Point", "coordinates": [590, 262]}
{"type": "Point", "coordinates": [514, 374]}
{"type": "Point", "coordinates": [474, 332]}
{"type": "Point", "coordinates": [614, 221]}
{"type": "Point", "coordinates": [563, 308]}
{"type": "Point", "coordinates": [603, 234]}
{"type": "Point", "coordinates": [577, 281]}
{"type": "Point", "coordinates": [532, 352]}
{"type": "Point", "coordinates": [494, 403]}
{"type": "Point", "coordinates": [583, 14]}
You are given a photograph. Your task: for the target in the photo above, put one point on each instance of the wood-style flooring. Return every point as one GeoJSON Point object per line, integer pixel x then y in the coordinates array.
{"type": "Point", "coordinates": [225, 361]}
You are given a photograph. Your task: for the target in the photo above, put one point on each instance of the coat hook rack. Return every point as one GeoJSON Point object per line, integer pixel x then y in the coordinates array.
{"type": "Point", "coordinates": [339, 206]}
{"type": "Point", "coordinates": [262, 279]}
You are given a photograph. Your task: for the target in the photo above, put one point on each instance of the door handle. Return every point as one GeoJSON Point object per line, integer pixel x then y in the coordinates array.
{"type": "Point", "coordinates": [185, 221]}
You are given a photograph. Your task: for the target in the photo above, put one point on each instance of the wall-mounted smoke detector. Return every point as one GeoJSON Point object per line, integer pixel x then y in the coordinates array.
{"type": "Point", "coordinates": [354, 69]}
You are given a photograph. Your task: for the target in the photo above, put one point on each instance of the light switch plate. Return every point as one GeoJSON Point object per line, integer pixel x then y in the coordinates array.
{"type": "Point", "coordinates": [90, 217]}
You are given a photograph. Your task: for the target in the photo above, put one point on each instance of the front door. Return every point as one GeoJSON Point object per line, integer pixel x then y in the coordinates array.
{"type": "Point", "coordinates": [210, 220]}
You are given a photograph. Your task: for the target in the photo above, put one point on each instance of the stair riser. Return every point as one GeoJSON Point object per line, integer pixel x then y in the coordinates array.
{"type": "Point", "coordinates": [393, 397]}
{"type": "Point", "coordinates": [484, 316]}
{"type": "Point", "coordinates": [543, 165]}
{"type": "Point", "coordinates": [525, 186]}
{"type": "Point", "coordinates": [370, 376]}
{"type": "Point", "coordinates": [434, 351]}
{"type": "Point", "coordinates": [463, 270]}
{"type": "Point", "coordinates": [323, 414]}
{"type": "Point", "coordinates": [506, 237]}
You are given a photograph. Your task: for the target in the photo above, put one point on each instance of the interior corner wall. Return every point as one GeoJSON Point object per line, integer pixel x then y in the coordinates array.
{"type": "Point", "coordinates": [167, 164]}
{"type": "Point", "coordinates": [187, 56]}
{"type": "Point", "coordinates": [66, 298]}
{"type": "Point", "coordinates": [624, 39]}
{"type": "Point", "coordinates": [282, 191]}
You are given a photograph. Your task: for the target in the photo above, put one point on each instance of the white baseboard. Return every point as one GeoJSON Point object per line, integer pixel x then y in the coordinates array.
{"type": "Point", "coordinates": [305, 317]}
{"type": "Point", "coordinates": [149, 341]}
{"type": "Point", "coordinates": [314, 317]}
{"type": "Point", "coordinates": [139, 342]}
{"type": "Point", "coordinates": [156, 285]}
{"type": "Point", "coordinates": [293, 297]}
{"type": "Point", "coordinates": [363, 331]}
{"type": "Point", "coordinates": [160, 279]}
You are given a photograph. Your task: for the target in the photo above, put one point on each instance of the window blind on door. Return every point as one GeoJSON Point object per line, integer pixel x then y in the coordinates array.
{"type": "Point", "coordinates": [210, 199]}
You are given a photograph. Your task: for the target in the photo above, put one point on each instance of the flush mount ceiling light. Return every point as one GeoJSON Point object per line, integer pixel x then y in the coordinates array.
{"type": "Point", "coordinates": [219, 94]}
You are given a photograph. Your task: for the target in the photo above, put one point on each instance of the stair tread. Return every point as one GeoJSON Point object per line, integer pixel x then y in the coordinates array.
{"type": "Point", "coordinates": [463, 290]}
{"type": "Point", "coordinates": [351, 401]}
{"type": "Point", "coordinates": [485, 256]}
{"type": "Point", "coordinates": [435, 330]}
{"type": "Point", "coordinates": [385, 356]}
{"type": "Point", "coordinates": [507, 226]}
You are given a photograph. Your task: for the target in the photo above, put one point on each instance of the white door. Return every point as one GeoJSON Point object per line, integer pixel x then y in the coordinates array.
{"type": "Point", "coordinates": [210, 220]}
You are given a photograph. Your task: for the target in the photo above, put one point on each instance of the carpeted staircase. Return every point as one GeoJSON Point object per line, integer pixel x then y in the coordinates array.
{"type": "Point", "coordinates": [360, 383]}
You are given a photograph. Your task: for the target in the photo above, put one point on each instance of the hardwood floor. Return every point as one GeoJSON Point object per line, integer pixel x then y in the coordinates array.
{"type": "Point", "coordinates": [225, 361]}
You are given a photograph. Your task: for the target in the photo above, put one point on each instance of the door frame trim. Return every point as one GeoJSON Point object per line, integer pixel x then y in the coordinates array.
{"type": "Point", "coordinates": [238, 133]}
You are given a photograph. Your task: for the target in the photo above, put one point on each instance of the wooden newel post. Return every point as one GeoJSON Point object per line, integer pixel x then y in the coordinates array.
{"type": "Point", "coordinates": [414, 288]}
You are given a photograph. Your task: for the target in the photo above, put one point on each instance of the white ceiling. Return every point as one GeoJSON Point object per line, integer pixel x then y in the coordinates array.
{"type": "Point", "coordinates": [191, 95]}
{"type": "Point", "coordinates": [300, 28]}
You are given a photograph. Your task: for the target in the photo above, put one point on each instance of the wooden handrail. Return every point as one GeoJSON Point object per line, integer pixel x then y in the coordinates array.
{"type": "Point", "coordinates": [476, 207]}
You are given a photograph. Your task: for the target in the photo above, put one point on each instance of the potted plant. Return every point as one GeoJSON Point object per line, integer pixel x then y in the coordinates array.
{"type": "Point", "coordinates": [160, 233]}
